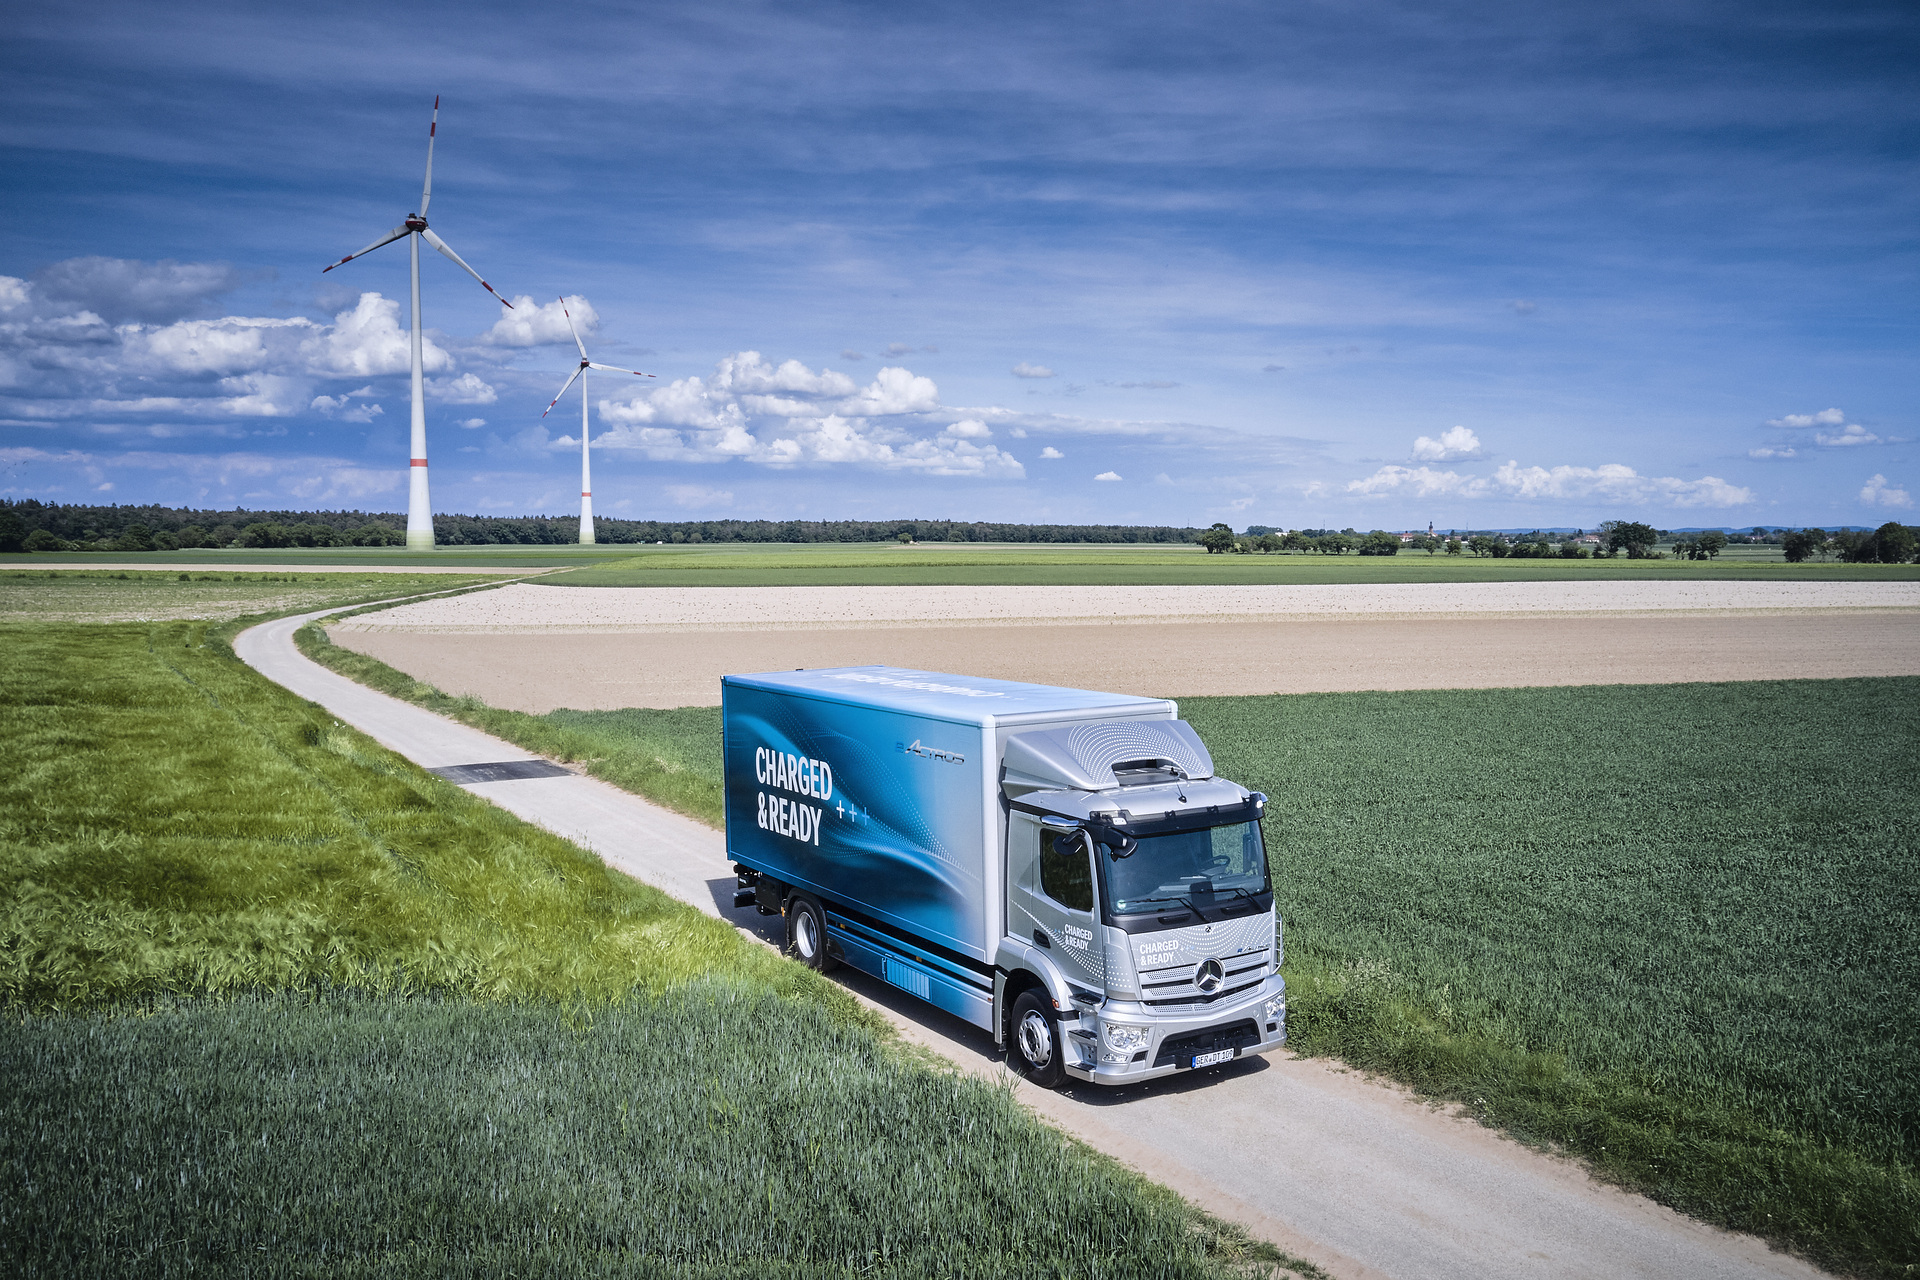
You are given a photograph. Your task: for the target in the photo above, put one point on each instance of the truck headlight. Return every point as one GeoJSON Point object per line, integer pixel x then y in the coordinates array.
{"type": "Point", "coordinates": [1276, 1008]}
{"type": "Point", "coordinates": [1124, 1039]}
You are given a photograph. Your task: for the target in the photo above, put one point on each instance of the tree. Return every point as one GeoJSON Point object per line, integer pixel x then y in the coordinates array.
{"type": "Point", "coordinates": [1218, 538]}
{"type": "Point", "coordinates": [135, 537]}
{"type": "Point", "coordinates": [41, 540]}
{"type": "Point", "coordinates": [1799, 545]}
{"type": "Point", "coordinates": [1453, 547]}
{"type": "Point", "coordinates": [1296, 541]}
{"type": "Point", "coordinates": [1481, 544]}
{"type": "Point", "coordinates": [1636, 540]}
{"type": "Point", "coordinates": [1895, 543]}
{"type": "Point", "coordinates": [13, 532]}
{"type": "Point", "coordinates": [1268, 542]}
{"type": "Point", "coordinates": [1711, 543]}
{"type": "Point", "coordinates": [1380, 543]}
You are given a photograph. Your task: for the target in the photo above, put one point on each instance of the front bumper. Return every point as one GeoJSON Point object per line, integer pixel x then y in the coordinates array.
{"type": "Point", "coordinates": [1167, 1053]}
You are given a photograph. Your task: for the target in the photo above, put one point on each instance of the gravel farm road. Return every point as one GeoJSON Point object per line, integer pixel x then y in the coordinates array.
{"type": "Point", "coordinates": [1354, 1175]}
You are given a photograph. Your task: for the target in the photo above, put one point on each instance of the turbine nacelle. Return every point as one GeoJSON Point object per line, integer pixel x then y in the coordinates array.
{"type": "Point", "coordinates": [415, 222]}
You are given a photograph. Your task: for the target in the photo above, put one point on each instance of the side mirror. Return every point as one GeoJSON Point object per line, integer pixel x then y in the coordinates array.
{"type": "Point", "coordinates": [1118, 845]}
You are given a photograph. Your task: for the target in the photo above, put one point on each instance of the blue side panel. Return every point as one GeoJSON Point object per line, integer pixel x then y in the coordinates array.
{"type": "Point", "coordinates": [964, 997]}
{"type": "Point", "coordinates": [869, 806]}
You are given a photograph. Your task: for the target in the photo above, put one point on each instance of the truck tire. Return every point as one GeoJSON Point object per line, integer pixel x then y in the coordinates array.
{"type": "Point", "coordinates": [1034, 1049]}
{"type": "Point", "coordinates": [807, 933]}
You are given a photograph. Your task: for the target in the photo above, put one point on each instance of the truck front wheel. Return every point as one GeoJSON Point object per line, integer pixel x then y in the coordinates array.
{"type": "Point", "coordinates": [1034, 1050]}
{"type": "Point", "coordinates": [807, 933]}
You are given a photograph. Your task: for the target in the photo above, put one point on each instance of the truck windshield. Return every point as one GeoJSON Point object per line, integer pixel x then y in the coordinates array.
{"type": "Point", "coordinates": [1185, 870]}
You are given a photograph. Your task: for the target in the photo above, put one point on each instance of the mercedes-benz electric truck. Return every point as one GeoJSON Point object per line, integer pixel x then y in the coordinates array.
{"type": "Point", "coordinates": [1058, 866]}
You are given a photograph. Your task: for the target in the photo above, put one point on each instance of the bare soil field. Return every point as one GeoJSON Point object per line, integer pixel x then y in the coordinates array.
{"type": "Point", "coordinates": [535, 649]}
{"type": "Point", "coordinates": [542, 608]}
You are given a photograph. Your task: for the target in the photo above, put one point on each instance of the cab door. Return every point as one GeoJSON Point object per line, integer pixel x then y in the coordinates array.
{"type": "Point", "coordinates": [1051, 899]}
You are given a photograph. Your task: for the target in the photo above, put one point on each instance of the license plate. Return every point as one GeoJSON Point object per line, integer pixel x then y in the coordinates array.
{"type": "Point", "coordinates": [1209, 1059]}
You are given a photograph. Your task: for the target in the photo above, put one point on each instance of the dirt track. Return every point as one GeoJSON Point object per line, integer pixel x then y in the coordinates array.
{"type": "Point", "coordinates": [528, 648]}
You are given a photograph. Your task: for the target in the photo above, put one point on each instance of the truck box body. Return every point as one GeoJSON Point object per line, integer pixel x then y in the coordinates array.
{"type": "Point", "coordinates": [878, 788]}
{"type": "Point", "coordinates": [887, 793]}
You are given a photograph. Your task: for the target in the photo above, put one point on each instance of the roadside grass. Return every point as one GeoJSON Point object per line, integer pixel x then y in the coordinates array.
{"type": "Point", "coordinates": [1671, 929]}
{"type": "Point", "coordinates": [672, 757]}
{"type": "Point", "coordinates": [274, 1002]}
{"type": "Point", "coordinates": [172, 823]}
{"type": "Point", "coordinates": [80, 595]}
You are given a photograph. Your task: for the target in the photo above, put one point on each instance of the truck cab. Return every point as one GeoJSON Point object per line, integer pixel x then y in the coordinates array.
{"type": "Point", "coordinates": [1141, 937]}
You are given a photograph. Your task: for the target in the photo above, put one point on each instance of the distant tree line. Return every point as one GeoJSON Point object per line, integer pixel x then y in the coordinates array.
{"type": "Point", "coordinates": [31, 525]}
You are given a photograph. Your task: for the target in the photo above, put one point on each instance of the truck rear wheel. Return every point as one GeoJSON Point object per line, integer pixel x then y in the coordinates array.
{"type": "Point", "coordinates": [1034, 1050]}
{"type": "Point", "coordinates": [807, 933]}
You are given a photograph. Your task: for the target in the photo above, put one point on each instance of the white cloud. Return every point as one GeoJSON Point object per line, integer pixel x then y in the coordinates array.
{"type": "Point", "coordinates": [465, 389]}
{"type": "Point", "coordinates": [1612, 482]}
{"type": "Point", "coordinates": [338, 406]}
{"type": "Point", "coordinates": [1108, 475]}
{"type": "Point", "coordinates": [851, 354]}
{"type": "Point", "coordinates": [694, 495]}
{"type": "Point", "coordinates": [1824, 418]}
{"type": "Point", "coordinates": [368, 342]}
{"type": "Point", "coordinates": [790, 415]}
{"type": "Point", "coordinates": [1767, 452]}
{"type": "Point", "coordinates": [1878, 492]}
{"type": "Point", "coordinates": [899, 349]}
{"type": "Point", "coordinates": [126, 289]}
{"type": "Point", "coordinates": [1453, 445]}
{"type": "Point", "coordinates": [528, 325]}
{"type": "Point", "coordinates": [1525, 306]}
{"type": "Point", "coordinates": [1418, 481]}
{"type": "Point", "coordinates": [235, 344]}
{"type": "Point", "coordinates": [1025, 370]}
{"type": "Point", "coordinates": [1051, 453]}
{"type": "Point", "coordinates": [1854, 434]}
{"type": "Point", "coordinates": [13, 294]}
{"type": "Point", "coordinates": [473, 424]}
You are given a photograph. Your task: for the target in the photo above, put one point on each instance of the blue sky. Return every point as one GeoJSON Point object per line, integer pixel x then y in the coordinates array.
{"type": "Point", "coordinates": [1362, 264]}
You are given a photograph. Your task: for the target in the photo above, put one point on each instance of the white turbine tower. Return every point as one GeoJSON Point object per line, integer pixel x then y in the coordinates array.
{"type": "Point", "coordinates": [586, 466]}
{"type": "Point", "coordinates": [419, 509]}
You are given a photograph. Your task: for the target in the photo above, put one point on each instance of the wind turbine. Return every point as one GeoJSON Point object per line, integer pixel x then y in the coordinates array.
{"type": "Point", "coordinates": [419, 509]}
{"type": "Point", "coordinates": [586, 468]}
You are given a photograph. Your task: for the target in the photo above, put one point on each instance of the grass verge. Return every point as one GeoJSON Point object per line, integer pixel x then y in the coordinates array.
{"type": "Point", "coordinates": [1672, 929]}
{"type": "Point", "coordinates": [276, 1003]}
{"type": "Point", "coordinates": [672, 757]}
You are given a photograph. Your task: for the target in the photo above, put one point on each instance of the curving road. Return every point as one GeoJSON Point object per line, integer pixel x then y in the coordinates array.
{"type": "Point", "coordinates": [1356, 1176]}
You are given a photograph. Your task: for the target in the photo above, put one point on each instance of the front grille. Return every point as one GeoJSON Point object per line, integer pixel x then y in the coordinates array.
{"type": "Point", "coordinates": [1234, 1035]}
{"type": "Point", "coordinates": [1197, 999]}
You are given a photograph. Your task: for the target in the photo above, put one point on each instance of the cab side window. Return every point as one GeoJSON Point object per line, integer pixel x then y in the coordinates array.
{"type": "Point", "coordinates": [1065, 874]}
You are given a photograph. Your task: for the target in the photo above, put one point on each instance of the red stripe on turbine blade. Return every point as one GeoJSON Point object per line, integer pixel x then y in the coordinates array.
{"type": "Point", "coordinates": [585, 494]}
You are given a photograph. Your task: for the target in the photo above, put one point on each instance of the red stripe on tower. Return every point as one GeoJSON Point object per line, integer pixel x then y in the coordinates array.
{"type": "Point", "coordinates": [419, 462]}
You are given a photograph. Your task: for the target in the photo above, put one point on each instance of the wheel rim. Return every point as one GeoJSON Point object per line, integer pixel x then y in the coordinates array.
{"type": "Point", "coordinates": [1036, 1039]}
{"type": "Point", "coordinates": [806, 935]}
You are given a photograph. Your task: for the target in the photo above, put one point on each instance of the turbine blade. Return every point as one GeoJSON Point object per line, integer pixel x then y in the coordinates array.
{"type": "Point", "coordinates": [441, 245]}
{"type": "Point", "coordinates": [388, 238]}
{"type": "Point", "coordinates": [570, 329]}
{"type": "Point", "coordinates": [426, 188]}
{"type": "Point", "coordinates": [608, 368]}
{"type": "Point", "coordinates": [563, 391]}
